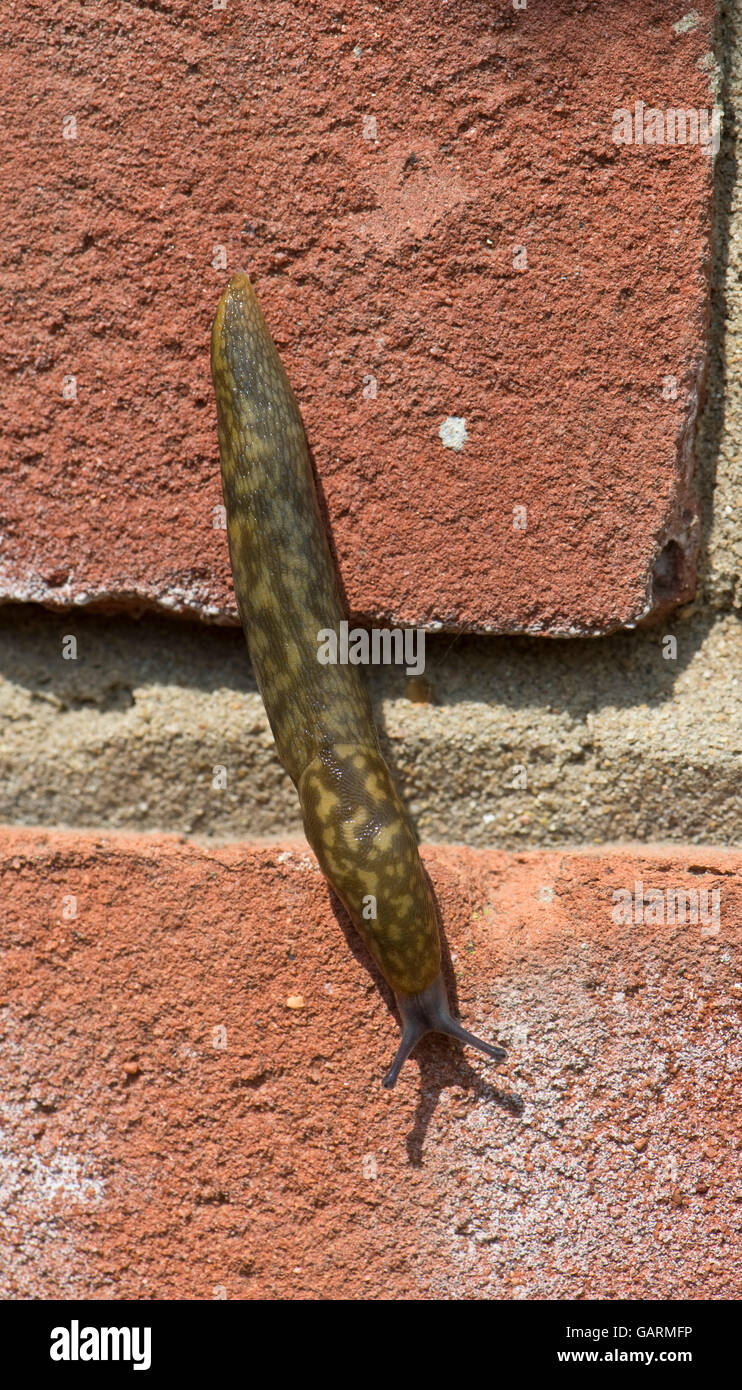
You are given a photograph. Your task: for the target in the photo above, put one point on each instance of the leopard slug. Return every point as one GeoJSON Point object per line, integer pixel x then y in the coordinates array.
{"type": "Point", "coordinates": [321, 717]}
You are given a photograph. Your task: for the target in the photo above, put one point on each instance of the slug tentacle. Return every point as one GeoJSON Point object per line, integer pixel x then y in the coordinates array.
{"type": "Point", "coordinates": [321, 716]}
{"type": "Point", "coordinates": [428, 1012]}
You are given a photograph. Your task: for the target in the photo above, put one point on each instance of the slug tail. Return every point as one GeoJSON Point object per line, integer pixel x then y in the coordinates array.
{"type": "Point", "coordinates": [428, 1012]}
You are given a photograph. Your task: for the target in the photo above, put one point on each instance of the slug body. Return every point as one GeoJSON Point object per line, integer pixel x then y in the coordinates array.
{"type": "Point", "coordinates": [320, 715]}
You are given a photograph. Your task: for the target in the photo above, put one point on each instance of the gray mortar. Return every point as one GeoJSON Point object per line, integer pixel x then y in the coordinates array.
{"type": "Point", "coordinates": [719, 435]}
{"type": "Point", "coordinates": [617, 742]}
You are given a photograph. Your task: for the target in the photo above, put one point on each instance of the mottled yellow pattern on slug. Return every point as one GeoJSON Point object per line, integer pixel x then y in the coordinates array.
{"type": "Point", "coordinates": [287, 592]}
{"type": "Point", "coordinates": [361, 835]}
{"type": "Point", "coordinates": [284, 575]}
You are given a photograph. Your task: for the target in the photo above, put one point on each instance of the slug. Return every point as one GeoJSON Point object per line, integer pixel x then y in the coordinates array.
{"type": "Point", "coordinates": [321, 717]}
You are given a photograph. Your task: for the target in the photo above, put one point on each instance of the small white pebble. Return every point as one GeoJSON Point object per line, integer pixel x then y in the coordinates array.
{"type": "Point", "coordinates": [453, 433]}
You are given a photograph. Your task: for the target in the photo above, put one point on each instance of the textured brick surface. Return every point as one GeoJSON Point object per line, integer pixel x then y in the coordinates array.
{"type": "Point", "coordinates": [386, 259]}
{"type": "Point", "coordinates": [141, 1160]}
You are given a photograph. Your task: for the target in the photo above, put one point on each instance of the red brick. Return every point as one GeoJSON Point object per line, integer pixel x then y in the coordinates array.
{"type": "Point", "coordinates": [388, 258]}
{"type": "Point", "coordinates": [142, 1161]}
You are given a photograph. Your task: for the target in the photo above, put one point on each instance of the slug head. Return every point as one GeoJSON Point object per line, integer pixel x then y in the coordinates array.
{"type": "Point", "coordinates": [428, 1012]}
